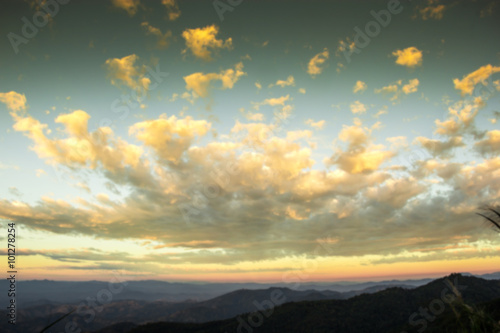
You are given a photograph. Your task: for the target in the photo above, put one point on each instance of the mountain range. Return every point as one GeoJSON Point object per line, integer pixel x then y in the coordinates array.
{"type": "Point", "coordinates": [385, 306]}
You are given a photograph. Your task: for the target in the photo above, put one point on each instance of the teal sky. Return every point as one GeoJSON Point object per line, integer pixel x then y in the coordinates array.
{"type": "Point", "coordinates": [375, 150]}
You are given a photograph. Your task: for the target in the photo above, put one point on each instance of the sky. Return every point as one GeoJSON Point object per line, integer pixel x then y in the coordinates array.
{"type": "Point", "coordinates": [263, 141]}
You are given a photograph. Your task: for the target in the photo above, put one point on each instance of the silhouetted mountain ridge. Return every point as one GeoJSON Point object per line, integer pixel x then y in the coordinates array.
{"type": "Point", "coordinates": [322, 310]}
{"type": "Point", "coordinates": [386, 311]}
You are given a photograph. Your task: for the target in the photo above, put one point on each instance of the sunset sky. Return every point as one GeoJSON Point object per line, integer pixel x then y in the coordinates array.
{"type": "Point", "coordinates": [250, 140]}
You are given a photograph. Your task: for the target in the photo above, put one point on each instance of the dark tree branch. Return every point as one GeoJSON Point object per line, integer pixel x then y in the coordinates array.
{"type": "Point", "coordinates": [496, 224]}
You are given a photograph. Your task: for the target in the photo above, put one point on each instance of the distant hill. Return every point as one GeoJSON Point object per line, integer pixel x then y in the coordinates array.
{"type": "Point", "coordinates": [330, 308]}
{"type": "Point", "coordinates": [38, 292]}
{"type": "Point", "coordinates": [387, 311]}
{"type": "Point", "coordinates": [112, 314]}
{"type": "Point", "coordinates": [33, 319]}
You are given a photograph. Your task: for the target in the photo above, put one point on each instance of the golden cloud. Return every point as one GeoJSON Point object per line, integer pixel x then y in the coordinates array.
{"type": "Point", "coordinates": [272, 101]}
{"type": "Point", "coordinates": [201, 41]}
{"type": "Point", "coordinates": [411, 87]}
{"type": "Point", "coordinates": [433, 10]}
{"type": "Point", "coordinates": [173, 9]}
{"type": "Point", "coordinates": [395, 192]}
{"type": "Point", "coordinates": [318, 125]}
{"type": "Point", "coordinates": [169, 137]}
{"type": "Point", "coordinates": [460, 119]}
{"type": "Point", "coordinates": [397, 88]}
{"type": "Point", "coordinates": [80, 148]}
{"type": "Point", "coordinates": [359, 86]}
{"type": "Point", "coordinates": [490, 145]}
{"type": "Point", "coordinates": [315, 64]}
{"type": "Point", "coordinates": [130, 6]}
{"type": "Point", "coordinates": [290, 81]}
{"type": "Point", "coordinates": [357, 107]}
{"type": "Point", "coordinates": [469, 81]}
{"type": "Point", "coordinates": [163, 38]}
{"type": "Point", "coordinates": [440, 148]}
{"type": "Point", "coordinates": [14, 101]}
{"type": "Point", "coordinates": [361, 155]}
{"type": "Point", "coordinates": [409, 57]}
{"type": "Point", "coordinates": [124, 72]}
{"type": "Point", "coordinates": [200, 82]}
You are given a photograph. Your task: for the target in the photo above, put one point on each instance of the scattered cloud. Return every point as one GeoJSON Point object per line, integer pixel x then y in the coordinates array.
{"type": "Point", "coordinates": [433, 10]}
{"type": "Point", "coordinates": [290, 81]}
{"type": "Point", "coordinates": [467, 84]}
{"type": "Point", "coordinates": [361, 155]}
{"type": "Point", "coordinates": [249, 115]}
{"type": "Point", "coordinates": [411, 87]}
{"type": "Point", "coordinates": [203, 41]}
{"type": "Point", "coordinates": [410, 57]}
{"type": "Point", "coordinates": [490, 145]}
{"type": "Point", "coordinates": [173, 9]}
{"type": "Point", "coordinates": [397, 89]}
{"type": "Point", "coordinates": [270, 187]}
{"type": "Point", "coordinates": [80, 148]}
{"type": "Point", "coordinates": [169, 137]}
{"type": "Point", "coordinates": [439, 148]}
{"type": "Point", "coordinates": [162, 38]}
{"type": "Point", "coordinates": [396, 192]}
{"type": "Point", "coordinates": [317, 125]}
{"type": "Point", "coordinates": [200, 83]}
{"type": "Point", "coordinates": [360, 86]}
{"type": "Point", "coordinates": [272, 101]}
{"type": "Point", "coordinates": [14, 101]}
{"type": "Point", "coordinates": [358, 107]}
{"type": "Point", "coordinates": [124, 72]}
{"type": "Point", "coordinates": [315, 66]}
{"type": "Point", "coordinates": [7, 166]}
{"type": "Point", "coordinates": [130, 6]}
{"type": "Point", "coordinates": [460, 120]}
